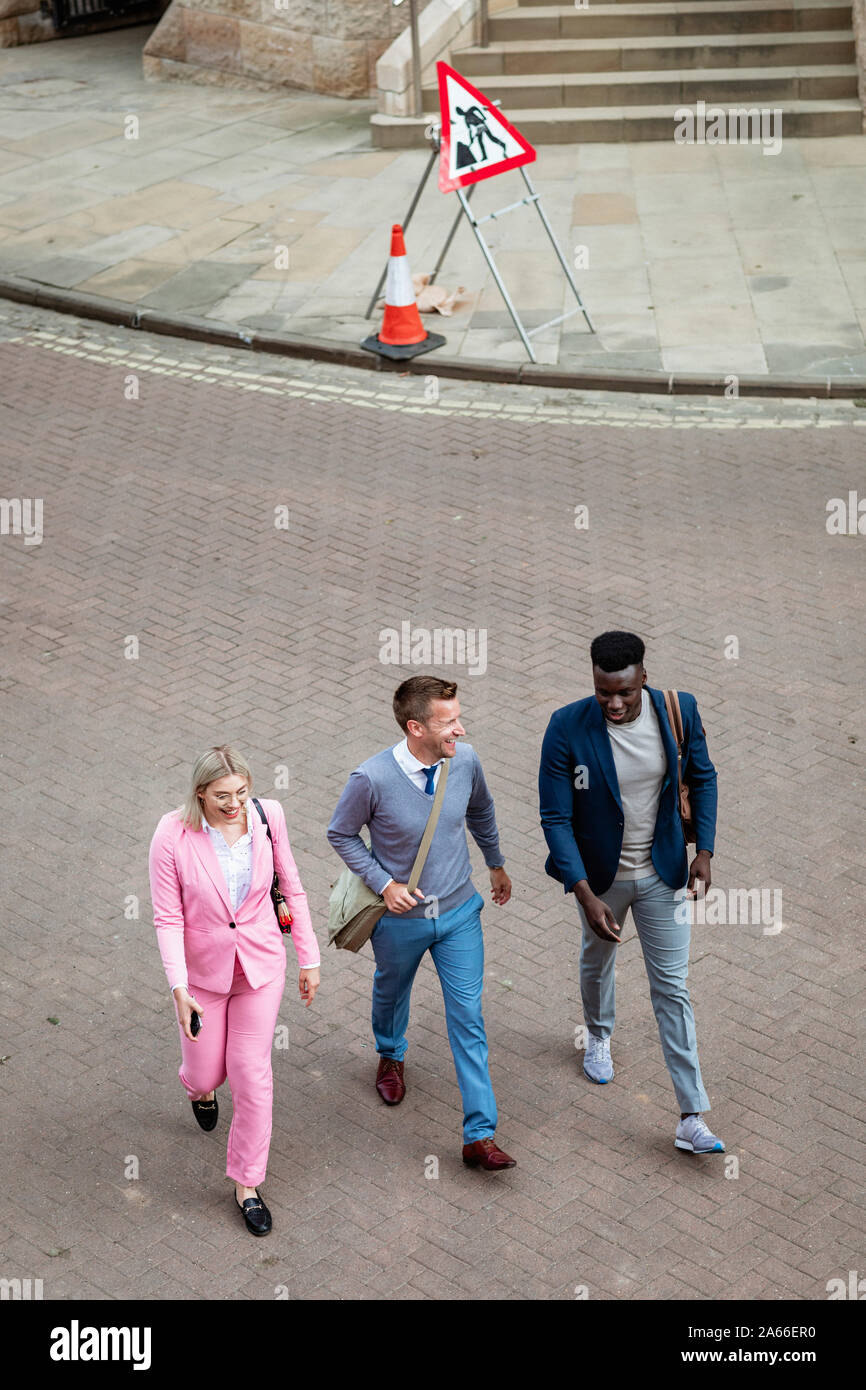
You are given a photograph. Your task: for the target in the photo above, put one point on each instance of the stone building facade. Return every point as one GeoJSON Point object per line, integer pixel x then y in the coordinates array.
{"type": "Point", "coordinates": [329, 46]}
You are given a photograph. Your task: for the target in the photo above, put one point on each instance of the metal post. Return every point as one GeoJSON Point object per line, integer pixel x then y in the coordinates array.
{"type": "Point", "coordinates": [416, 59]}
{"type": "Point", "coordinates": [562, 261]}
{"type": "Point", "coordinates": [434, 155]}
{"type": "Point", "coordinates": [484, 40]}
{"type": "Point", "coordinates": [417, 99]}
{"type": "Point", "coordinates": [515, 318]}
{"type": "Point", "coordinates": [455, 224]}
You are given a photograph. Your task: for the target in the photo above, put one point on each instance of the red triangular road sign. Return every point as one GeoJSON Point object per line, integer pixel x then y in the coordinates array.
{"type": "Point", "coordinates": [477, 141]}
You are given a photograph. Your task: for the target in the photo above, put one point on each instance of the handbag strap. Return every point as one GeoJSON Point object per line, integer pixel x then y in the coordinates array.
{"type": "Point", "coordinates": [261, 811]}
{"type": "Point", "coordinates": [421, 856]}
{"type": "Point", "coordinates": [281, 907]}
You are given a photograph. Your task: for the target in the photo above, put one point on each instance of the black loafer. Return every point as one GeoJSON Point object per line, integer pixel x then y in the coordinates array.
{"type": "Point", "coordinates": [206, 1112]}
{"type": "Point", "coordinates": [255, 1214]}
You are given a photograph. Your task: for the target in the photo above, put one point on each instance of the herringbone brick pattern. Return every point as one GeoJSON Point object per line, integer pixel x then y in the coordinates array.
{"type": "Point", "coordinates": [159, 525]}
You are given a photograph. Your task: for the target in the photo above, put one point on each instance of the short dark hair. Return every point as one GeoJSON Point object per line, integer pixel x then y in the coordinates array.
{"type": "Point", "coordinates": [613, 651]}
{"type": "Point", "coordinates": [413, 698]}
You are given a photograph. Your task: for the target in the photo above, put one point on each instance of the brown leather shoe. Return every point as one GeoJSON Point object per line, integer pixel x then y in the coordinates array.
{"type": "Point", "coordinates": [485, 1154]}
{"type": "Point", "coordinates": [389, 1081]}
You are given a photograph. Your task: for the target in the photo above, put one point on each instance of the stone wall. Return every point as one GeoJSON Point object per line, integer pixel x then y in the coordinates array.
{"type": "Point", "coordinates": [327, 46]}
{"type": "Point", "coordinates": [21, 22]}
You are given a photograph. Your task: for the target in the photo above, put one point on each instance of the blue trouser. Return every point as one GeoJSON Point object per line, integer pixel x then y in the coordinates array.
{"type": "Point", "coordinates": [455, 942]}
{"type": "Point", "coordinates": [665, 944]}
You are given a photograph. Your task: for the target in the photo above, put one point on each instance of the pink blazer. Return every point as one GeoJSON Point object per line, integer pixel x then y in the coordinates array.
{"type": "Point", "coordinates": [196, 928]}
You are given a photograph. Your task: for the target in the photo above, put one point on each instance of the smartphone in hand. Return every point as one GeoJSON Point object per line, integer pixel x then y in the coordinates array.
{"type": "Point", "coordinates": [194, 1024]}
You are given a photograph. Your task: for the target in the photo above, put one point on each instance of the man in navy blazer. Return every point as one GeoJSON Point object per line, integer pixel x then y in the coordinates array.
{"type": "Point", "coordinates": [609, 798]}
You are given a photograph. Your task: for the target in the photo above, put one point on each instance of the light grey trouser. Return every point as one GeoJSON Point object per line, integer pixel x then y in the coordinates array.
{"type": "Point", "coordinates": [665, 944]}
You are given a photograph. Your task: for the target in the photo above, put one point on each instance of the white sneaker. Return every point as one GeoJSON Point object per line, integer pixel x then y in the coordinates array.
{"type": "Point", "coordinates": [694, 1135]}
{"type": "Point", "coordinates": [596, 1060]}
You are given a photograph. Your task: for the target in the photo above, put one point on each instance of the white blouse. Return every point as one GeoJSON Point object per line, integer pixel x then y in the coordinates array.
{"type": "Point", "coordinates": [236, 861]}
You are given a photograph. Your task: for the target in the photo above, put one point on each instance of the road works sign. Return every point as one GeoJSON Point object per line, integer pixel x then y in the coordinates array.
{"type": "Point", "coordinates": [474, 142]}
{"type": "Point", "coordinates": [477, 141]}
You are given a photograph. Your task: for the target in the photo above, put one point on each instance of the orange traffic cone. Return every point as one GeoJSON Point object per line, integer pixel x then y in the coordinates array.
{"type": "Point", "coordinates": [402, 333]}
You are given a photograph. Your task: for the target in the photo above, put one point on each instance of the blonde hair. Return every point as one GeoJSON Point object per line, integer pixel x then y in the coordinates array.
{"type": "Point", "coordinates": [209, 767]}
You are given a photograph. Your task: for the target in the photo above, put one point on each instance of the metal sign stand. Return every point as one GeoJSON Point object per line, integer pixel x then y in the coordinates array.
{"type": "Point", "coordinates": [532, 198]}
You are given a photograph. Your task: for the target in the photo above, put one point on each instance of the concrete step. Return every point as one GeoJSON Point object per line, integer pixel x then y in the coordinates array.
{"type": "Point", "coordinates": [769, 86]}
{"type": "Point", "coordinates": [695, 17]}
{"type": "Point", "coordinates": [656, 51]}
{"type": "Point", "coordinates": [606, 124]}
{"type": "Point", "coordinates": [545, 4]}
{"type": "Point", "coordinates": [590, 4]}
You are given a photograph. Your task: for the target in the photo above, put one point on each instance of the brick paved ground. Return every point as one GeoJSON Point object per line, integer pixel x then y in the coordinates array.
{"type": "Point", "coordinates": [158, 524]}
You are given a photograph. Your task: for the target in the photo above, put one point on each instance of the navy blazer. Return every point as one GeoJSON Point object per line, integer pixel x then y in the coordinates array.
{"type": "Point", "coordinates": [584, 826]}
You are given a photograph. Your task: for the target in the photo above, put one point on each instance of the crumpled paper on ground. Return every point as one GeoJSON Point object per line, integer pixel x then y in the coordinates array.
{"type": "Point", "coordinates": [434, 297]}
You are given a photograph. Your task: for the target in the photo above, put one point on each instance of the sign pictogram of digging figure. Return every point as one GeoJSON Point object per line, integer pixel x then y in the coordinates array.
{"type": "Point", "coordinates": [477, 140]}
{"type": "Point", "coordinates": [477, 128]}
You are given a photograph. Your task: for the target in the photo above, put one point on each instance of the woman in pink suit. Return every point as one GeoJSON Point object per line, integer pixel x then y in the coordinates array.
{"type": "Point", "coordinates": [211, 870]}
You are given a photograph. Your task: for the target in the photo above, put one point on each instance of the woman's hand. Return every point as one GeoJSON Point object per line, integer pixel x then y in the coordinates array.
{"type": "Point", "coordinates": [308, 983]}
{"type": "Point", "coordinates": [186, 1005]}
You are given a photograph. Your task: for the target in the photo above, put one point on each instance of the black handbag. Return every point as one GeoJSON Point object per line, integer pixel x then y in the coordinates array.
{"type": "Point", "coordinates": [281, 907]}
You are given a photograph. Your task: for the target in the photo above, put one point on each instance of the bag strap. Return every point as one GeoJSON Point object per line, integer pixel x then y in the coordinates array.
{"type": "Point", "coordinates": [421, 856]}
{"type": "Point", "coordinates": [675, 719]}
{"type": "Point", "coordinates": [672, 705]}
{"type": "Point", "coordinates": [281, 907]}
{"type": "Point", "coordinates": [260, 809]}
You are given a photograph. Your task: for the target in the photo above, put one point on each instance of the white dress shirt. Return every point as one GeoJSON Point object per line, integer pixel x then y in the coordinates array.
{"type": "Point", "coordinates": [414, 769]}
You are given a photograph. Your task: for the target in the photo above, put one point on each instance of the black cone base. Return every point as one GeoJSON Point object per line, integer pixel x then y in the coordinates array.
{"type": "Point", "coordinates": [400, 354]}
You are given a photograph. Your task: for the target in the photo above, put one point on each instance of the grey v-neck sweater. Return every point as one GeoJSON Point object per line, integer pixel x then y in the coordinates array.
{"type": "Point", "coordinates": [379, 795]}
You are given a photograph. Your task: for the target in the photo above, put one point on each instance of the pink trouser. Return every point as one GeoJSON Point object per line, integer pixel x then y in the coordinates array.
{"type": "Point", "coordinates": [235, 1041]}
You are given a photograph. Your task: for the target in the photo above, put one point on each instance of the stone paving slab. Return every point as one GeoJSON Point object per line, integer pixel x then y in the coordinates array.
{"type": "Point", "coordinates": [707, 519]}
{"type": "Point", "coordinates": [708, 258]}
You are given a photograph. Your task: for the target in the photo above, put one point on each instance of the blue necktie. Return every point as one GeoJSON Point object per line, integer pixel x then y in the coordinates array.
{"type": "Point", "coordinates": [430, 773]}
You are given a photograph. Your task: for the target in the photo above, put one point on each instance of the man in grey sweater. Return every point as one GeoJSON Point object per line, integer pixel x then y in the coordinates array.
{"type": "Point", "coordinates": [391, 793]}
